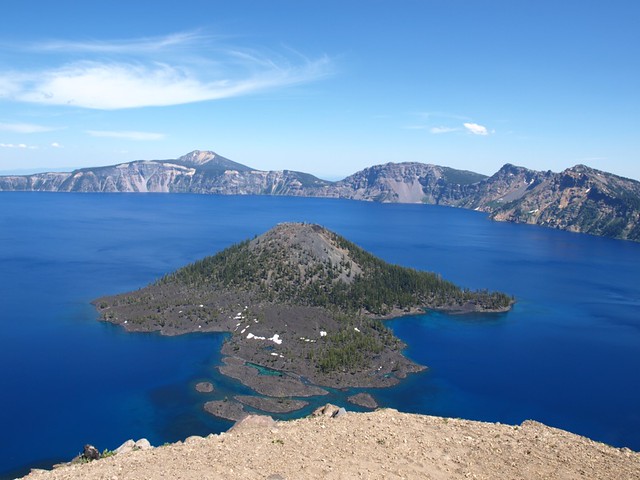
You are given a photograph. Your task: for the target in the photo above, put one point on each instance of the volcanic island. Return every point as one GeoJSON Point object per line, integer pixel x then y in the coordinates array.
{"type": "Point", "coordinates": [304, 309]}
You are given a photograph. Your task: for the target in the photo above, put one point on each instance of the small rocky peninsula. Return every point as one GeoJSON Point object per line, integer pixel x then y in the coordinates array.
{"type": "Point", "coordinates": [304, 309]}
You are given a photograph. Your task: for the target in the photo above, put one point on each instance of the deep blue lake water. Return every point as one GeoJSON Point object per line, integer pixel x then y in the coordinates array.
{"type": "Point", "coordinates": [568, 354]}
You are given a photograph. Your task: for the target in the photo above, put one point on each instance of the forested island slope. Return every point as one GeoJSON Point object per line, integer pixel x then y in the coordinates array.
{"type": "Point", "coordinates": [298, 299]}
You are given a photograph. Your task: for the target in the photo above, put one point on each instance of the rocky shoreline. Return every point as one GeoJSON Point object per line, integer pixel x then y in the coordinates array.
{"type": "Point", "coordinates": [273, 384]}
{"type": "Point", "coordinates": [233, 409]}
{"type": "Point", "coordinates": [278, 385]}
{"type": "Point", "coordinates": [272, 405]}
{"type": "Point", "coordinates": [226, 409]}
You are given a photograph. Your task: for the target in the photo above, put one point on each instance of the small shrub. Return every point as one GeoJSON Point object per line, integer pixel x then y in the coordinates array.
{"type": "Point", "coordinates": [107, 453]}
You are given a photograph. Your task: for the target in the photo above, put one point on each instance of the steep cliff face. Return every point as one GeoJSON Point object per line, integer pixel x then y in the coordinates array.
{"type": "Point", "coordinates": [580, 199]}
{"type": "Point", "coordinates": [207, 172]}
{"type": "Point", "coordinates": [41, 182]}
{"type": "Point", "coordinates": [255, 182]}
{"type": "Point", "coordinates": [506, 185]}
{"type": "Point", "coordinates": [140, 176]}
{"type": "Point", "coordinates": [407, 183]}
{"type": "Point", "coordinates": [196, 172]}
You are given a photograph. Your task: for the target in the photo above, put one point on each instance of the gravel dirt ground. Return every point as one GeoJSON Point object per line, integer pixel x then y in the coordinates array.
{"type": "Point", "coordinates": [384, 444]}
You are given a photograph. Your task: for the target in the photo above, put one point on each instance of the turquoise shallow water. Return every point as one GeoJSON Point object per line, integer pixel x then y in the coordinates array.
{"type": "Point", "coordinates": [567, 355]}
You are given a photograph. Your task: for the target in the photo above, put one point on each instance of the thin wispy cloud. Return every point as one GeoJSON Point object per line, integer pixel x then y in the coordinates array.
{"type": "Point", "coordinates": [25, 128]}
{"type": "Point", "coordinates": [441, 115]}
{"type": "Point", "coordinates": [126, 135]}
{"type": "Point", "coordinates": [440, 130]}
{"type": "Point", "coordinates": [18, 145]}
{"type": "Point", "coordinates": [476, 129]}
{"type": "Point", "coordinates": [125, 46]}
{"type": "Point", "coordinates": [438, 123]}
{"type": "Point", "coordinates": [172, 70]}
{"type": "Point", "coordinates": [9, 84]}
{"type": "Point", "coordinates": [56, 145]}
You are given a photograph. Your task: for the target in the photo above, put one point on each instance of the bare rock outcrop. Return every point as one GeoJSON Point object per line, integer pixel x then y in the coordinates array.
{"type": "Point", "coordinates": [378, 445]}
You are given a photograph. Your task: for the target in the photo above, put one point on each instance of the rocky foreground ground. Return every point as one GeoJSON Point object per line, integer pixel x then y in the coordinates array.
{"type": "Point", "coordinates": [384, 444]}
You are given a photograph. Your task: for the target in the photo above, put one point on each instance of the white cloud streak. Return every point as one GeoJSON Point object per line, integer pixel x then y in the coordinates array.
{"type": "Point", "coordinates": [444, 118]}
{"type": "Point", "coordinates": [476, 129]}
{"type": "Point", "coordinates": [155, 72]}
{"type": "Point", "coordinates": [444, 115]}
{"type": "Point", "coordinates": [126, 135]}
{"type": "Point", "coordinates": [439, 130]}
{"type": "Point", "coordinates": [18, 145]}
{"type": "Point", "coordinates": [24, 128]}
{"type": "Point", "coordinates": [129, 46]}
{"type": "Point", "coordinates": [119, 86]}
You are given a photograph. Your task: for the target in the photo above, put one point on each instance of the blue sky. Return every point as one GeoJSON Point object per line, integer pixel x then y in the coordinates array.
{"type": "Point", "coordinates": [321, 86]}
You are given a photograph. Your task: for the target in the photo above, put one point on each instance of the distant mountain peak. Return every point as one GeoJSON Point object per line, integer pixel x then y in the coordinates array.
{"type": "Point", "coordinates": [208, 160]}
{"type": "Point", "coordinates": [578, 169]}
{"type": "Point", "coordinates": [198, 157]}
{"type": "Point", "coordinates": [511, 168]}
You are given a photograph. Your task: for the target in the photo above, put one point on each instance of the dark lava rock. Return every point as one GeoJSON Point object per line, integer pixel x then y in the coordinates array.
{"type": "Point", "coordinates": [204, 387]}
{"type": "Point", "coordinates": [90, 453]}
{"type": "Point", "coordinates": [364, 400]}
{"type": "Point", "coordinates": [272, 405]}
{"type": "Point", "coordinates": [227, 409]}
